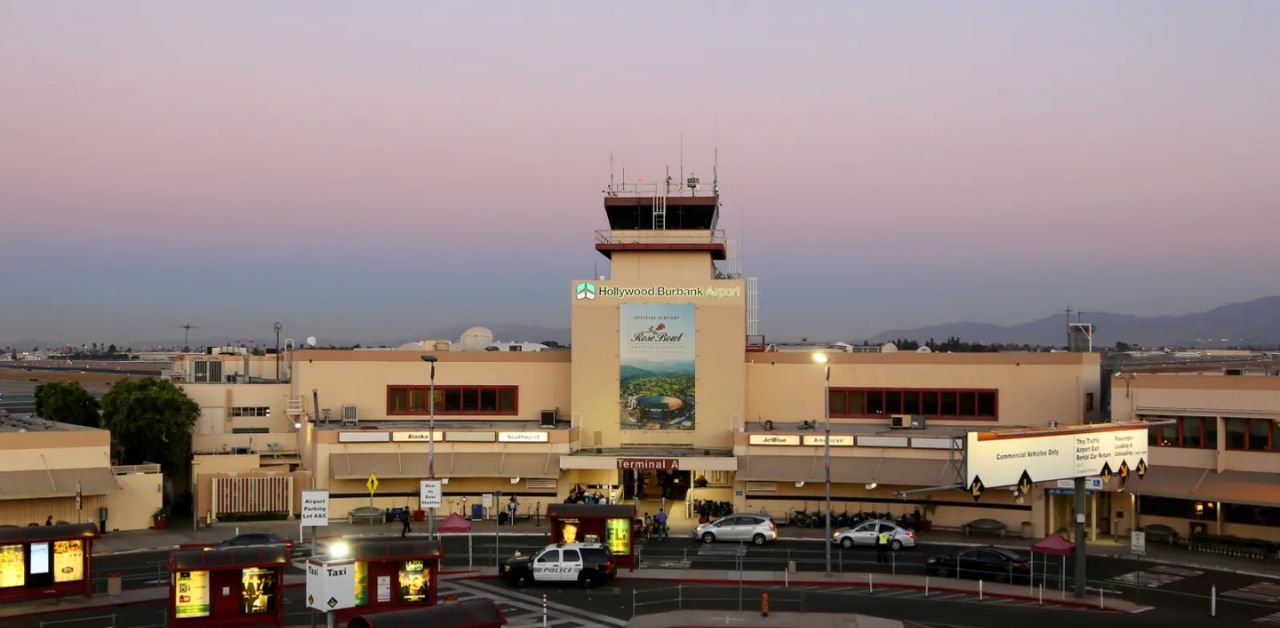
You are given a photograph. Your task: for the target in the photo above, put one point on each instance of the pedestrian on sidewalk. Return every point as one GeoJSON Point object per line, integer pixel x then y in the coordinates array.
{"type": "Point", "coordinates": [404, 521]}
{"type": "Point", "coordinates": [660, 522]}
{"type": "Point", "coordinates": [882, 548]}
{"type": "Point", "coordinates": [513, 505]}
{"type": "Point", "coordinates": [49, 521]}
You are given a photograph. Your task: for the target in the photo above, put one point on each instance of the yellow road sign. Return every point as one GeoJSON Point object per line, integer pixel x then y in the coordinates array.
{"type": "Point", "coordinates": [372, 484]}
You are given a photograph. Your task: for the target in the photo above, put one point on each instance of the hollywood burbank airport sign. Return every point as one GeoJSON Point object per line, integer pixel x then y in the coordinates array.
{"type": "Point", "coordinates": [590, 290]}
{"type": "Point", "coordinates": [1023, 457]}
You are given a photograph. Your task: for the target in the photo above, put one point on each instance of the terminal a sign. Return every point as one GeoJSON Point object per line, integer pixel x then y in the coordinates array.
{"type": "Point", "coordinates": [649, 464]}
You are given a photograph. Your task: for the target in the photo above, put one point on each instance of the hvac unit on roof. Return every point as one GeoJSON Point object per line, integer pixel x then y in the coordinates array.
{"type": "Point", "coordinates": [349, 415]}
{"type": "Point", "coordinates": [906, 421]}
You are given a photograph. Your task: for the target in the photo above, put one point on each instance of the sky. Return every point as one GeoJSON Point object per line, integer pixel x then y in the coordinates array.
{"type": "Point", "coordinates": [376, 170]}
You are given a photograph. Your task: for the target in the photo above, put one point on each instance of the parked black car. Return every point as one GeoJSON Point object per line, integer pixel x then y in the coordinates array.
{"type": "Point", "coordinates": [254, 538]}
{"type": "Point", "coordinates": [982, 563]}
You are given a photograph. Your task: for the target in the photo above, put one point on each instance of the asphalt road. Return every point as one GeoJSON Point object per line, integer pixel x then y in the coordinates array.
{"type": "Point", "coordinates": [1180, 595]}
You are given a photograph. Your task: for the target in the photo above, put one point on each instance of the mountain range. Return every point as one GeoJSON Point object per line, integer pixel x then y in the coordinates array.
{"type": "Point", "coordinates": [1254, 323]}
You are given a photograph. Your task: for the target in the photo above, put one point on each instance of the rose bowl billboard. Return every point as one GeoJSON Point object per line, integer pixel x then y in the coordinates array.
{"type": "Point", "coordinates": [657, 366]}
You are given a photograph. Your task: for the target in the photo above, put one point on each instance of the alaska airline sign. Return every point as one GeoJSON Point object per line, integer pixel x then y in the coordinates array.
{"type": "Point", "coordinates": [1022, 457]}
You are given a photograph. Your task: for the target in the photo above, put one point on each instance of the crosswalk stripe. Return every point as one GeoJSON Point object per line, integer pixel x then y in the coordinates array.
{"type": "Point", "coordinates": [522, 600]}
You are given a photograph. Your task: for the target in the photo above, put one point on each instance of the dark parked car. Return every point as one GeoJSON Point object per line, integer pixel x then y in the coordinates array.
{"type": "Point", "coordinates": [1157, 533]}
{"type": "Point", "coordinates": [254, 538]}
{"type": "Point", "coordinates": [983, 563]}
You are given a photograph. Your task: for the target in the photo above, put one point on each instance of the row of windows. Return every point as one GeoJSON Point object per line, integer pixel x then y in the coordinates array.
{"type": "Point", "coordinates": [1192, 432]}
{"type": "Point", "coordinates": [250, 411]}
{"type": "Point", "coordinates": [1190, 509]}
{"type": "Point", "coordinates": [1202, 433]}
{"type": "Point", "coordinates": [453, 400]}
{"type": "Point", "coordinates": [934, 403]}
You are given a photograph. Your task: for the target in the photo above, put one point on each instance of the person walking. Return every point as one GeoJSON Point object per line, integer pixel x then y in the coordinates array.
{"type": "Point", "coordinates": [660, 522]}
{"type": "Point", "coordinates": [404, 522]}
{"type": "Point", "coordinates": [513, 505]}
{"type": "Point", "coordinates": [49, 521]}
{"type": "Point", "coordinates": [882, 547]}
{"type": "Point", "coordinates": [648, 526]}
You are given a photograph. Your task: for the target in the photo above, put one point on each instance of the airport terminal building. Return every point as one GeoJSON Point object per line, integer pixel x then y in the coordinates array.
{"type": "Point", "coordinates": [664, 389]}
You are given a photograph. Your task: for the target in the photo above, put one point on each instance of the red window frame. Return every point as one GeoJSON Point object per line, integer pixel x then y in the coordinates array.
{"type": "Point", "coordinates": [1248, 435]}
{"type": "Point", "coordinates": [884, 395]}
{"type": "Point", "coordinates": [464, 393]}
{"type": "Point", "coordinates": [1180, 440]}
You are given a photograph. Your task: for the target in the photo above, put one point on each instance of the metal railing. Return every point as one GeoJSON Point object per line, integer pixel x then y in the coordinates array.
{"type": "Point", "coordinates": [660, 236]}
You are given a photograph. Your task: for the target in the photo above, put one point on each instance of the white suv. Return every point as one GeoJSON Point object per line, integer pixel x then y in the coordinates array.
{"type": "Point", "coordinates": [866, 534]}
{"type": "Point", "coordinates": [758, 529]}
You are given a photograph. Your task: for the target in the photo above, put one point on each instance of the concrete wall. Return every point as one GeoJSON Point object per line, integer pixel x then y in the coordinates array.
{"type": "Point", "coordinates": [131, 508]}
{"type": "Point", "coordinates": [1034, 388]}
{"type": "Point", "coordinates": [55, 449]}
{"type": "Point", "coordinates": [360, 379]}
{"type": "Point", "coordinates": [214, 429]}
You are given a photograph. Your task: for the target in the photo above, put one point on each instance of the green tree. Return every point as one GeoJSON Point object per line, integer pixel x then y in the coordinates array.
{"type": "Point", "coordinates": [150, 421]}
{"type": "Point", "coordinates": [67, 402]}
{"type": "Point", "coordinates": [111, 350]}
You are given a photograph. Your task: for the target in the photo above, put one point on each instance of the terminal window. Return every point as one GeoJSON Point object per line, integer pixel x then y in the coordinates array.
{"type": "Point", "coordinates": [454, 400]}
{"type": "Point", "coordinates": [1187, 432]}
{"type": "Point", "coordinates": [930, 402]}
{"type": "Point", "coordinates": [1252, 434]}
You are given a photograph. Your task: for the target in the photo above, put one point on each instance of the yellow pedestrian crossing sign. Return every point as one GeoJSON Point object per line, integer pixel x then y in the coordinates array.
{"type": "Point", "coordinates": [372, 484]}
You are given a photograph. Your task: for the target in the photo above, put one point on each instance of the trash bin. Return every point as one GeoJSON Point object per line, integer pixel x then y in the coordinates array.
{"type": "Point", "coordinates": [102, 520]}
{"type": "Point", "coordinates": [1026, 530]}
{"type": "Point", "coordinates": [114, 583]}
{"type": "Point", "coordinates": [419, 515]}
{"type": "Point", "coordinates": [477, 512]}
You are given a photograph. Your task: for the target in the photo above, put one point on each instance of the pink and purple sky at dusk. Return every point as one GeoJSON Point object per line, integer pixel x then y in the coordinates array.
{"type": "Point", "coordinates": [376, 170]}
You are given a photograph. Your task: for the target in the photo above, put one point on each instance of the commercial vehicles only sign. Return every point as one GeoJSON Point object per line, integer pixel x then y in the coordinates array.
{"type": "Point", "coordinates": [1023, 457]}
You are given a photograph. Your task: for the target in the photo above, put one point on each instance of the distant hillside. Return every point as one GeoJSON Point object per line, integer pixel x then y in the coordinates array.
{"type": "Point", "coordinates": [1255, 323]}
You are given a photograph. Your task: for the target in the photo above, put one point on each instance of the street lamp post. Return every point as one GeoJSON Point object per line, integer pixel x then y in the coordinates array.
{"type": "Point", "coordinates": [277, 326]}
{"type": "Point", "coordinates": [431, 440]}
{"type": "Point", "coordinates": [821, 358]}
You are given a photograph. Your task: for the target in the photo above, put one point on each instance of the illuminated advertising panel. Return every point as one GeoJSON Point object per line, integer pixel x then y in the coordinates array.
{"type": "Point", "coordinates": [258, 590]}
{"type": "Point", "coordinates": [362, 584]}
{"type": "Point", "coordinates": [13, 566]}
{"type": "Point", "coordinates": [657, 366]}
{"type": "Point", "coordinates": [192, 595]}
{"type": "Point", "coordinates": [617, 536]}
{"type": "Point", "coordinates": [414, 582]}
{"type": "Point", "coordinates": [68, 561]}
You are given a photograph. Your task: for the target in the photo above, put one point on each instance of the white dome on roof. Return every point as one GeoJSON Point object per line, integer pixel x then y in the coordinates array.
{"type": "Point", "coordinates": [476, 339]}
{"type": "Point", "coordinates": [888, 347]}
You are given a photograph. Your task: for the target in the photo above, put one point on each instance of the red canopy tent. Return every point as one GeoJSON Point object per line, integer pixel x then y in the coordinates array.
{"type": "Point", "coordinates": [456, 524]}
{"type": "Point", "coordinates": [1052, 545]}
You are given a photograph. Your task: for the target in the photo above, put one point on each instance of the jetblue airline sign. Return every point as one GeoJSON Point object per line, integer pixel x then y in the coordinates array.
{"type": "Point", "coordinates": [590, 291]}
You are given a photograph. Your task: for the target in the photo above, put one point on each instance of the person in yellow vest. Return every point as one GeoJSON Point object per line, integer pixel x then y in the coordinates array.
{"type": "Point", "coordinates": [882, 546]}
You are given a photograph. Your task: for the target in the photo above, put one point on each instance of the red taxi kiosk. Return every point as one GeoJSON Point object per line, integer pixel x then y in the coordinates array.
{"type": "Point", "coordinates": [43, 561]}
{"type": "Point", "coordinates": [392, 574]}
{"type": "Point", "coordinates": [610, 525]}
{"type": "Point", "coordinates": [241, 586]}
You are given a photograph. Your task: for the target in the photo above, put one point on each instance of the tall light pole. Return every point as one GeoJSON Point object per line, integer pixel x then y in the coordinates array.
{"type": "Point", "coordinates": [431, 440]}
{"type": "Point", "coordinates": [821, 358]}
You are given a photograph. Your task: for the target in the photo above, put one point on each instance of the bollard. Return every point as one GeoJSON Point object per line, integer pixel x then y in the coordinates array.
{"type": "Point", "coordinates": [926, 587]}
{"type": "Point", "coordinates": [1213, 601]}
{"type": "Point", "coordinates": [979, 590]}
{"type": "Point", "coordinates": [1041, 594]}
{"type": "Point", "coordinates": [764, 604]}
{"type": "Point", "coordinates": [1102, 606]}
{"type": "Point", "coordinates": [871, 587]}
{"type": "Point", "coordinates": [544, 610]}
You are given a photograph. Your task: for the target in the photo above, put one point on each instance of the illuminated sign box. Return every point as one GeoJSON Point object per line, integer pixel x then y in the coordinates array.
{"type": "Point", "coordinates": [522, 437]}
{"type": "Point", "coordinates": [773, 439]}
{"type": "Point", "coordinates": [414, 437]}
{"type": "Point", "coordinates": [836, 441]}
{"type": "Point", "coordinates": [470, 437]}
{"type": "Point", "coordinates": [363, 437]}
{"type": "Point", "coordinates": [883, 441]}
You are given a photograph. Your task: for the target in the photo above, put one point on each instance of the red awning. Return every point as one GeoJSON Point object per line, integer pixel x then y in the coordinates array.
{"type": "Point", "coordinates": [1054, 545]}
{"type": "Point", "coordinates": [454, 523]}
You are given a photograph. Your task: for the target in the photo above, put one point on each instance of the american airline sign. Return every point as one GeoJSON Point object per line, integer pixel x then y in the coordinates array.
{"type": "Point", "coordinates": [649, 464]}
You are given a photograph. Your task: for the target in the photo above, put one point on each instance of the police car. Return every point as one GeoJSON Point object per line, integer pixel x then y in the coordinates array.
{"type": "Point", "coordinates": [587, 564]}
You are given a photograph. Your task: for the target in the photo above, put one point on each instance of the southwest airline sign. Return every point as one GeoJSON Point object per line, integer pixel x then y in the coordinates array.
{"type": "Point", "coordinates": [1023, 457]}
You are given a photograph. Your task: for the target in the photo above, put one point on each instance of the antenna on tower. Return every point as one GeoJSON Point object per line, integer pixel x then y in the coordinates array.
{"type": "Point", "coordinates": [715, 173]}
{"type": "Point", "coordinates": [610, 172]}
{"type": "Point", "coordinates": [682, 159]}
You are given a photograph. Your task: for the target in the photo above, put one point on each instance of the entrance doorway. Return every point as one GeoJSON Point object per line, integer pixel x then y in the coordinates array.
{"type": "Point", "coordinates": [655, 485]}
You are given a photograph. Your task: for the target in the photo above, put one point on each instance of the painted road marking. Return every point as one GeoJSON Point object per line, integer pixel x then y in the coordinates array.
{"type": "Point", "coordinates": [1157, 576]}
{"type": "Point", "coordinates": [1259, 592]}
{"type": "Point", "coordinates": [1273, 618]}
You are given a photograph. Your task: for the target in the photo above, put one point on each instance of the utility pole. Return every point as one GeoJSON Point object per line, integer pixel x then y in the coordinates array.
{"type": "Point", "coordinates": [1078, 589]}
{"type": "Point", "coordinates": [277, 326]}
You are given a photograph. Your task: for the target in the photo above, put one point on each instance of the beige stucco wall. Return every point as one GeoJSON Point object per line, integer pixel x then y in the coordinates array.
{"type": "Point", "coordinates": [131, 507]}
{"type": "Point", "coordinates": [72, 449]}
{"type": "Point", "coordinates": [1034, 388]}
{"type": "Point", "coordinates": [719, 343]}
{"type": "Point", "coordinates": [214, 429]}
{"type": "Point", "coordinates": [360, 379]}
